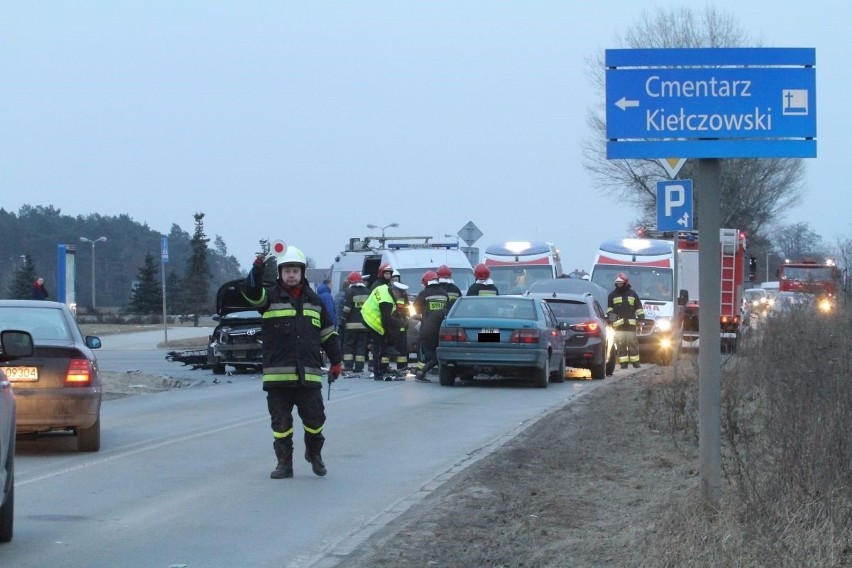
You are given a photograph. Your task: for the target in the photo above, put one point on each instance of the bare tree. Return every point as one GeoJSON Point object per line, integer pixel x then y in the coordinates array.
{"type": "Point", "coordinates": [754, 191]}
{"type": "Point", "coordinates": [798, 241]}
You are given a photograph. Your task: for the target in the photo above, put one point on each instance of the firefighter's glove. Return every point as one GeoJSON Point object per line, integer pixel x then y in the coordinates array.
{"type": "Point", "coordinates": [259, 261]}
{"type": "Point", "coordinates": [334, 372]}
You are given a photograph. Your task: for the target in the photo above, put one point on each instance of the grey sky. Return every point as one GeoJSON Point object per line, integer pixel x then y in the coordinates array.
{"type": "Point", "coordinates": [306, 121]}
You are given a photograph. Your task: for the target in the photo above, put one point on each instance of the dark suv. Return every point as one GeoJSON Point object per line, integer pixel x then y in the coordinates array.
{"type": "Point", "coordinates": [589, 339]}
{"type": "Point", "coordinates": [236, 340]}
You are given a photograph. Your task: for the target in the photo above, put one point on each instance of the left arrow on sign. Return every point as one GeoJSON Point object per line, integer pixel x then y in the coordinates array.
{"type": "Point", "coordinates": [624, 103]}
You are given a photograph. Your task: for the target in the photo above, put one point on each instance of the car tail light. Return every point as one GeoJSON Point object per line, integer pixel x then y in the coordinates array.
{"type": "Point", "coordinates": [590, 327]}
{"type": "Point", "coordinates": [525, 336]}
{"type": "Point", "coordinates": [79, 373]}
{"type": "Point", "coordinates": [452, 334]}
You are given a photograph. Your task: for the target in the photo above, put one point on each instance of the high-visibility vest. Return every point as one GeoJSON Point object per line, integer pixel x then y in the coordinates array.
{"type": "Point", "coordinates": [371, 310]}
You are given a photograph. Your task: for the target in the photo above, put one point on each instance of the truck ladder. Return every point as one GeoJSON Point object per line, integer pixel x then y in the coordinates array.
{"type": "Point", "coordinates": [728, 240]}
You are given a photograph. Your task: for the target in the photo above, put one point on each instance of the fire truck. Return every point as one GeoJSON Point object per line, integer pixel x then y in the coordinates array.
{"type": "Point", "coordinates": [649, 265]}
{"type": "Point", "coordinates": [811, 277]}
{"type": "Point", "coordinates": [736, 267]}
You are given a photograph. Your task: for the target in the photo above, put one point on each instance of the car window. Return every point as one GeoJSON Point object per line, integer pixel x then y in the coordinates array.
{"type": "Point", "coordinates": [509, 308]}
{"type": "Point", "coordinates": [551, 317]}
{"type": "Point", "coordinates": [569, 309]}
{"type": "Point", "coordinates": [42, 323]}
{"type": "Point", "coordinates": [596, 308]}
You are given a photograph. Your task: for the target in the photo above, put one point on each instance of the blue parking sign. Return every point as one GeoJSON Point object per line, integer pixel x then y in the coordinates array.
{"type": "Point", "coordinates": [674, 205]}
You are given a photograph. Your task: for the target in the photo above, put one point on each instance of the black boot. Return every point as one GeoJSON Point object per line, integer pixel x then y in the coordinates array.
{"type": "Point", "coordinates": [284, 453]}
{"type": "Point", "coordinates": [624, 365]}
{"type": "Point", "coordinates": [313, 454]}
{"type": "Point", "coordinates": [315, 459]}
{"type": "Point", "coordinates": [637, 365]}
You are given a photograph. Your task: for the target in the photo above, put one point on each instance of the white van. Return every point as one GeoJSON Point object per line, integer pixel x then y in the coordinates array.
{"type": "Point", "coordinates": [411, 256]}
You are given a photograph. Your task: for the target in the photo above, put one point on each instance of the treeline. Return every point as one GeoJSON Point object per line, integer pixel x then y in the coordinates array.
{"type": "Point", "coordinates": [128, 258]}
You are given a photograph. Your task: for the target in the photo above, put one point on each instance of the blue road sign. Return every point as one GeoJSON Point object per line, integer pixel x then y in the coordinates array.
{"type": "Point", "coordinates": [674, 205]}
{"type": "Point", "coordinates": [164, 248]}
{"type": "Point", "coordinates": [711, 103]}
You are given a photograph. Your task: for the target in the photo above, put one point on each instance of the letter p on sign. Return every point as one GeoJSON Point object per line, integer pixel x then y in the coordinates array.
{"type": "Point", "coordinates": [674, 205]}
{"type": "Point", "coordinates": [675, 197]}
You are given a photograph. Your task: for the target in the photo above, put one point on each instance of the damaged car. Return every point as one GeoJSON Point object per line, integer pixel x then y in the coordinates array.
{"type": "Point", "coordinates": [236, 340]}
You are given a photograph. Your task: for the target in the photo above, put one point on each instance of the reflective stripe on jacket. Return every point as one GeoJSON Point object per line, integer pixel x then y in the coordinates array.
{"type": "Point", "coordinates": [625, 303]}
{"type": "Point", "coordinates": [295, 331]}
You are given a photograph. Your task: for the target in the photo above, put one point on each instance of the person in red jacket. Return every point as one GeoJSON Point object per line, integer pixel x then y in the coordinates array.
{"type": "Point", "coordinates": [39, 291]}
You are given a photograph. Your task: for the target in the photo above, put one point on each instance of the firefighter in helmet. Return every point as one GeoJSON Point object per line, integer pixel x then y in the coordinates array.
{"type": "Point", "coordinates": [431, 306]}
{"type": "Point", "coordinates": [483, 286]}
{"type": "Point", "coordinates": [624, 302]}
{"type": "Point", "coordinates": [403, 313]}
{"type": "Point", "coordinates": [445, 277]}
{"type": "Point", "coordinates": [296, 329]}
{"type": "Point", "coordinates": [356, 333]}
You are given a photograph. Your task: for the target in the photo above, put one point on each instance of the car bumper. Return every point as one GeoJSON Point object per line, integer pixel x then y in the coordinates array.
{"type": "Point", "coordinates": [57, 409]}
{"type": "Point", "coordinates": [592, 353]}
{"type": "Point", "coordinates": [492, 357]}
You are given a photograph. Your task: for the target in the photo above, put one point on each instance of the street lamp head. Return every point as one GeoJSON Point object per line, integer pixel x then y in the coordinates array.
{"type": "Point", "coordinates": [98, 240]}
{"type": "Point", "coordinates": [371, 226]}
{"type": "Point", "coordinates": [392, 225]}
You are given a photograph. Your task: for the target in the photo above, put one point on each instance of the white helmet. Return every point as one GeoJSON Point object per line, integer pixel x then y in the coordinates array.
{"type": "Point", "coordinates": [292, 256]}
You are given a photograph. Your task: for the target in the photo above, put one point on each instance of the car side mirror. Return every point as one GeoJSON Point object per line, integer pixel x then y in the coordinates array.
{"type": "Point", "coordinates": [563, 325]}
{"type": "Point", "coordinates": [15, 344]}
{"type": "Point", "coordinates": [683, 298]}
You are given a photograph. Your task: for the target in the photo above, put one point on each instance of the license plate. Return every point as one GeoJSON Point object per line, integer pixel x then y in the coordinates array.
{"type": "Point", "coordinates": [21, 374]}
{"type": "Point", "coordinates": [489, 335]}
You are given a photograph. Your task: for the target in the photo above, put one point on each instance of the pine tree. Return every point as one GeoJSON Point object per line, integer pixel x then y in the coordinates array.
{"type": "Point", "coordinates": [147, 297]}
{"type": "Point", "coordinates": [21, 286]}
{"type": "Point", "coordinates": [196, 281]}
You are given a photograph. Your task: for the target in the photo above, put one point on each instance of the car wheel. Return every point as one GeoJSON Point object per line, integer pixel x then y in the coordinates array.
{"type": "Point", "coordinates": [610, 364]}
{"type": "Point", "coordinates": [598, 371]}
{"type": "Point", "coordinates": [7, 510]}
{"type": "Point", "coordinates": [218, 368]}
{"type": "Point", "coordinates": [89, 439]}
{"type": "Point", "coordinates": [447, 376]}
{"type": "Point", "coordinates": [558, 376]}
{"type": "Point", "coordinates": [541, 377]}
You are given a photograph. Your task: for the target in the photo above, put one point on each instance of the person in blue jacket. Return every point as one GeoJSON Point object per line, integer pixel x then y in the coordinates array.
{"type": "Point", "coordinates": [324, 291]}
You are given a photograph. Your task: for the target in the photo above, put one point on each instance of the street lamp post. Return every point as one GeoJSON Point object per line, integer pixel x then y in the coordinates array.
{"type": "Point", "coordinates": [371, 226]}
{"type": "Point", "coordinates": [768, 254]}
{"type": "Point", "coordinates": [92, 242]}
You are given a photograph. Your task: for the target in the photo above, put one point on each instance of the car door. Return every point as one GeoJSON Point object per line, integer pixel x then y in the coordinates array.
{"type": "Point", "coordinates": [556, 336]}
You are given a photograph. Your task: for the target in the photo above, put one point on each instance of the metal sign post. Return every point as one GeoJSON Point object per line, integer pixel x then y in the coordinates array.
{"type": "Point", "coordinates": [164, 258]}
{"type": "Point", "coordinates": [710, 103]}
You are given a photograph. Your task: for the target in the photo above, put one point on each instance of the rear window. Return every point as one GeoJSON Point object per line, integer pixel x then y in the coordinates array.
{"type": "Point", "coordinates": [42, 323]}
{"type": "Point", "coordinates": [563, 309]}
{"type": "Point", "coordinates": [489, 307]}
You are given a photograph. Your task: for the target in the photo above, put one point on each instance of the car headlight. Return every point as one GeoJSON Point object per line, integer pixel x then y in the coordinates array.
{"type": "Point", "coordinates": [663, 324]}
{"type": "Point", "coordinates": [825, 305]}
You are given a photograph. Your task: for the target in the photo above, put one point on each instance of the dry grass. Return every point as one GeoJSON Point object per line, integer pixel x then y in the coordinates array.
{"type": "Point", "coordinates": [787, 453]}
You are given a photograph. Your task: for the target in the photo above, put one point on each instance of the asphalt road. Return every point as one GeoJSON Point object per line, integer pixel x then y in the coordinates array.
{"type": "Point", "coordinates": [182, 478]}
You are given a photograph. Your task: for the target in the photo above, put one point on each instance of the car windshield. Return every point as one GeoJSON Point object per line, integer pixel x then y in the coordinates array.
{"type": "Point", "coordinates": [517, 279]}
{"type": "Point", "coordinates": [562, 309]}
{"type": "Point", "coordinates": [249, 314]}
{"type": "Point", "coordinates": [490, 307]}
{"type": "Point", "coordinates": [650, 283]}
{"type": "Point", "coordinates": [42, 323]}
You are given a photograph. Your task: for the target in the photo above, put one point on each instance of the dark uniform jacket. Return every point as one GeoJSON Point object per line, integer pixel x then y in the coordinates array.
{"type": "Point", "coordinates": [626, 305]}
{"type": "Point", "coordinates": [481, 289]}
{"type": "Point", "coordinates": [355, 297]}
{"type": "Point", "coordinates": [294, 332]}
{"type": "Point", "coordinates": [431, 303]}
